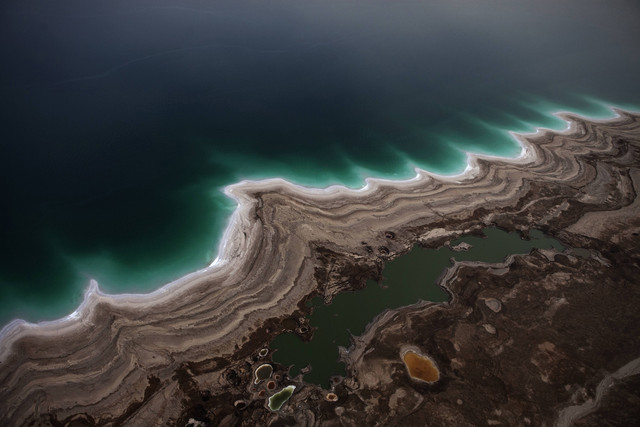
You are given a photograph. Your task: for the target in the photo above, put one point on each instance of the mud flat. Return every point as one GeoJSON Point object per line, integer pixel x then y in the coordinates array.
{"type": "Point", "coordinates": [564, 323]}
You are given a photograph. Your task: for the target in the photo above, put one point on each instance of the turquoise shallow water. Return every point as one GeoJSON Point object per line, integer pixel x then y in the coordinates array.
{"type": "Point", "coordinates": [122, 121]}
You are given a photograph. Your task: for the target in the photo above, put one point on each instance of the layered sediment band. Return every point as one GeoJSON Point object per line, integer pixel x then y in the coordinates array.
{"type": "Point", "coordinates": [116, 357]}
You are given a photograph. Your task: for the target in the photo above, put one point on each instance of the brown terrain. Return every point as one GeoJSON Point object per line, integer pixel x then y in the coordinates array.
{"type": "Point", "coordinates": [547, 338]}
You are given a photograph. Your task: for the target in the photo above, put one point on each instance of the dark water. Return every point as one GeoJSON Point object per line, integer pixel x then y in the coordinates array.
{"type": "Point", "coordinates": [122, 121]}
{"type": "Point", "coordinates": [407, 280]}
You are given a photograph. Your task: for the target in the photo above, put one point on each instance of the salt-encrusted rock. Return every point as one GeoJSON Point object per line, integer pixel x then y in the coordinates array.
{"type": "Point", "coordinates": [493, 304]}
{"type": "Point", "coordinates": [461, 247]}
{"type": "Point", "coordinates": [489, 328]}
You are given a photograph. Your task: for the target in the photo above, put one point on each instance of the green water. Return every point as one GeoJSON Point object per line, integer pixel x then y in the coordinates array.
{"type": "Point", "coordinates": [277, 400]}
{"type": "Point", "coordinates": [406, 280]}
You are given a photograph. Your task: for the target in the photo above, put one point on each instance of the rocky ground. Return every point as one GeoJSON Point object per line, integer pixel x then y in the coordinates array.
{"type": "Point", "coordinates": [526, 342]}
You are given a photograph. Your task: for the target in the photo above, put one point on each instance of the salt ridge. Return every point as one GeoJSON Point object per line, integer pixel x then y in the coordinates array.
{"type": "Point", "coordinates": [231, 247]}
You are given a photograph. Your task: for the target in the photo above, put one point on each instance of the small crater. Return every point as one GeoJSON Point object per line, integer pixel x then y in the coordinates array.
{"type": "Point", "coordinates": [233, 377]}
{"type": "Point", "coordinates": [263, 372]}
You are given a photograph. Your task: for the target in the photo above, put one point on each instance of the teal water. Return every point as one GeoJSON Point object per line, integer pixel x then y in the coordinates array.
{"type": "Point", "coordinates": [406, 280]}
{"type": "Point", "coordinates": [122, 121]}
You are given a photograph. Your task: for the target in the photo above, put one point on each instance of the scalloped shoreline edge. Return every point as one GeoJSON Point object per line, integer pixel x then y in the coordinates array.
{"type": "Point", "coordinates": [230, 251]}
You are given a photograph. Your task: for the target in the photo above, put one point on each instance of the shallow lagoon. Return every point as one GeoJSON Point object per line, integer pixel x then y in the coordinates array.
{"type": "Point", "coordinates": [407, 280]}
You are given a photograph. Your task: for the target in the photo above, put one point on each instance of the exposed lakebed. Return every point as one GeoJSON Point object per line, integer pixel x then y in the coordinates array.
{"type": "Point", "coordinates": [406, 280]}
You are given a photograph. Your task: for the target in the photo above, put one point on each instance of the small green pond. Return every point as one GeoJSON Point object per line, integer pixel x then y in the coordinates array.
{"type": "Point", "coordinates": [277, 400]}
{"type": "Point", "coordinates": [407, 280]}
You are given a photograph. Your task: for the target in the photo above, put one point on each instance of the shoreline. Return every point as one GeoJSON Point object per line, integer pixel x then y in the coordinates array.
{"type": "Point", "coordinates": [268, 263]}
{"type": "Point", "coordinates": [246, 186]}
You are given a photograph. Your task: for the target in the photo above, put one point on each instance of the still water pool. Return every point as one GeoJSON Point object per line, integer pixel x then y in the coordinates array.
{"type": "Point", "coordinates": [406, 280]}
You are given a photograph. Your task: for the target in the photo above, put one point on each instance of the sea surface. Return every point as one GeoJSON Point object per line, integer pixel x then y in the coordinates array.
{"type": "Point", "coordinates": [122, 121]}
